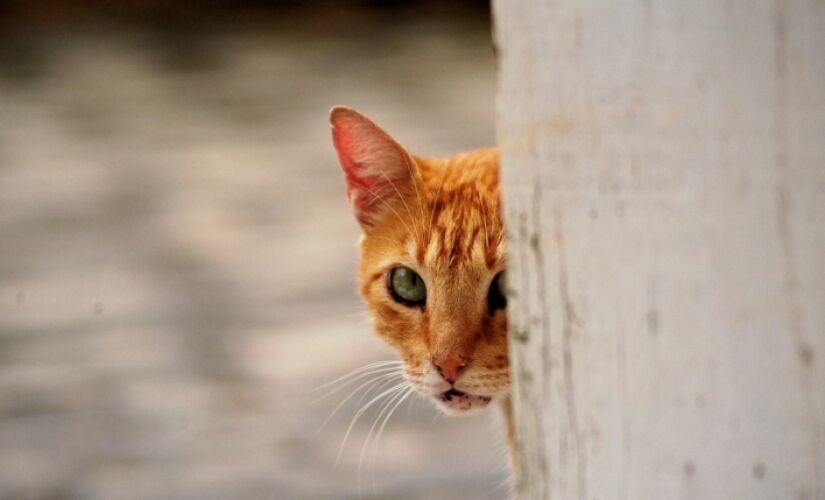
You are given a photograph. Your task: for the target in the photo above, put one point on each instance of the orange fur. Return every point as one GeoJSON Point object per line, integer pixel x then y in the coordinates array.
{"type": "Point", "coordinates": [442, 219]}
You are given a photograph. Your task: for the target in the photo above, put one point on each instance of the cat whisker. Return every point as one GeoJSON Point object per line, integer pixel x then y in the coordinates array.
{"type": "Point", "coordinates": [361, 316]}
{"type": "Point", "coordinates": [415, 402]}
{"type": "Point", "coordinates": [484, 219]}
{"type": "Point", "coordinates": [435, 200]}
{"type": "Point", "coordinates": [500, 241]}
{"type": "Point", "coordinates": [384, 202]}
{"type": "Point", "coordinates": [406, 205]}
{"type": "Point", "coordinates": [414, 181]}
{"type": "Point", "coordinates": [361, 412]}
{"type": "Point", "coordinates": [370, 382]}
{"type": "Point", "coordinates": [384, 409]}
{"type": "Point", "coordinates": [505, 484]}
{"type": "Point", "coordinates": [358, 372]}
{"type": "Point", "coordinates": [374, 389]}
{"type": "Point", "coordinates": [377, 440]}
{"type": "Point", "coordinates": [383, 371]}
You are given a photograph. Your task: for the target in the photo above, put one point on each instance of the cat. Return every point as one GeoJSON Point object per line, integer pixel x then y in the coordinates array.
{"type": "Point", "coordinates": [433, 253]}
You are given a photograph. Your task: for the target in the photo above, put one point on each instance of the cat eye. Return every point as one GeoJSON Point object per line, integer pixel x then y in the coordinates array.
{"type": "Point", "coordinates": [497, 297]}
{"type": "Point", "coordinates": [407, 287]}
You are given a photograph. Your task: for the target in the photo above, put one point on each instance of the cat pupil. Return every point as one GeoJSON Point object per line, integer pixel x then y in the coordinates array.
{"type": "Point", "coordinates": [496, 299]}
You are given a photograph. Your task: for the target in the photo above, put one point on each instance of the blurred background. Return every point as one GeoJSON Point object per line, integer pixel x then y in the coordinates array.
{"type": "Point", "coordinates": [177, 258]}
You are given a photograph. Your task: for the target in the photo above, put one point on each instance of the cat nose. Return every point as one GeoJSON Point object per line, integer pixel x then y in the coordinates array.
{"type": "Point", "coordinates": [449, 367]}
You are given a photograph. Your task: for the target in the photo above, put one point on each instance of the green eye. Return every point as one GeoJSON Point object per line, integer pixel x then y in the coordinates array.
{"type": "Point", "coordinates": [407, 287]}
{"type": "Point", "coordinates": [497, 297]}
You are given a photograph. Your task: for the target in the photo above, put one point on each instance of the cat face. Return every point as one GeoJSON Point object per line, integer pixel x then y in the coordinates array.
{"type": "Point", "coordinates": [432, 261]}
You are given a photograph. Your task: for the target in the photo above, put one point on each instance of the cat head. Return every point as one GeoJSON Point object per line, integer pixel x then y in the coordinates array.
{"type": "Point", "coordinates": [432, 261]}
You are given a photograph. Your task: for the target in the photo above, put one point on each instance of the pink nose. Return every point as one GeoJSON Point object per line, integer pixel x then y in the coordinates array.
{"type": "Point", "coordinates": [450, 367]}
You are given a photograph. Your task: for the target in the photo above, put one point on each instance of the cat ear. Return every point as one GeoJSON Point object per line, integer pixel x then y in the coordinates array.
{"type": "Point", "coordinates": [379, 171]}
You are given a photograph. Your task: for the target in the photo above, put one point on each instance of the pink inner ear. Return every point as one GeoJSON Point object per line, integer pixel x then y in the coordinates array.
{"type": "Point", "coordinates": [348, 149]}
{"type": "Point", "coordinates": [374, 164]}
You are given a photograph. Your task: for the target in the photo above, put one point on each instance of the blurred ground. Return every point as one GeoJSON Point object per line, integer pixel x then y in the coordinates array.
{"type": "Point", "coordinates": [177, 261]}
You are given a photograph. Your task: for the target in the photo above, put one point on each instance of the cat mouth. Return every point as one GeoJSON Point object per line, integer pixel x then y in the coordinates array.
{"type": "Point", "coordinates": [459, 402]}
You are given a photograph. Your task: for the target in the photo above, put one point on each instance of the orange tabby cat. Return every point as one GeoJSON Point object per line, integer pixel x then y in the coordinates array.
{"type": "Point", "coordinates": [432, 261]}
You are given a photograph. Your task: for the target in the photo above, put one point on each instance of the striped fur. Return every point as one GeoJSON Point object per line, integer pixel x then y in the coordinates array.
{"type": "Point", "coordinates": [441, 218]}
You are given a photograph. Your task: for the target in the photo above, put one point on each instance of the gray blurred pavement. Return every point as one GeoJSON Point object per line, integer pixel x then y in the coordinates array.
{"type": "Point", "coordinates": [177, 264]}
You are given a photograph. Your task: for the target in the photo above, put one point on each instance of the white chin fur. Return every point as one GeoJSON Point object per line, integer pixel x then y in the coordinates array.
{"type": "Point", "coordinates": [461, 405]}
